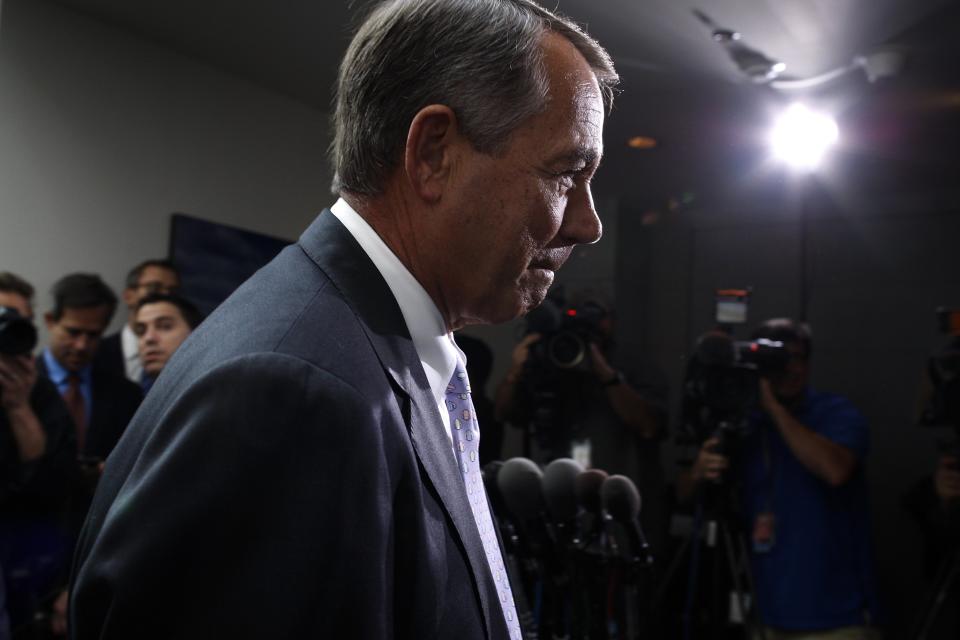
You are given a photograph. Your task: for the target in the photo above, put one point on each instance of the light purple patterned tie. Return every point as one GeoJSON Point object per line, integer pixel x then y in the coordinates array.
{"type": "Point", "coordinates": [466, 446]}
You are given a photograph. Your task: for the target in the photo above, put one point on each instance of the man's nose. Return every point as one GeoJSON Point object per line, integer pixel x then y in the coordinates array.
{"type": "Point", "coordinates": [82, 342]}
{"type": "Point", "coordinates": [581, 224]}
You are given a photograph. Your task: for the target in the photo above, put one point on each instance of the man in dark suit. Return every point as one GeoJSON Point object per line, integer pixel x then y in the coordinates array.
{"type": "Point", "coordinates": [119, 352]}
{"type": "Point", "coordinates": [307, 466]}
{"type": "Point", "coordinates": [101, 401]}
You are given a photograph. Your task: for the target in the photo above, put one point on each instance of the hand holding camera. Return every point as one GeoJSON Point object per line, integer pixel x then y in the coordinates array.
{"type": "Point", "coordinates": [18, 374]}
{"type": "Point", "coordinates": [710, 463]}
{"type": "Point", "coordinates": [946, 481]}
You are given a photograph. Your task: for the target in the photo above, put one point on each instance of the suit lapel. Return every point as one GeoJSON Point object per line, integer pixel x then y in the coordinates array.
{"type": "Point", "coordinates": [338, 254]}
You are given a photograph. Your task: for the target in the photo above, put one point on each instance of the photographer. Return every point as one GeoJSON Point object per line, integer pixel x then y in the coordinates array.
{"type": "Point", "coordinates": [799, 468]}
{"type": "Point", "coordinates": [37, 465]}
{"type": "Point", "coordinates": [592, 411]}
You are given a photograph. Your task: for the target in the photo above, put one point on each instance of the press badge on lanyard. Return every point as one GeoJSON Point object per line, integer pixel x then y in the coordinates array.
{"type": "Point", "coordinates": [765, 524]}
{"type": "Point", "coordinates": [764, 532]}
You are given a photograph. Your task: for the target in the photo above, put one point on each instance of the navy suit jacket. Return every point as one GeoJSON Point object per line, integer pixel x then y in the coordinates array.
{"type": "Point", "coordinates": [288, 476]}
{"type": "Point", "coordinates": [114, 401]}
{"type": "Point", "coordinates": [110, 355]}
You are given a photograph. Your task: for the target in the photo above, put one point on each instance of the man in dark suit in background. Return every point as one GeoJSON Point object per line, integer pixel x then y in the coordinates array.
{"type": "Point", "coordinates": [118, 352]}
{"type": "Point", "coordinates": [307, 464]}
{"type": "Point", "coordinates": [100, 401]}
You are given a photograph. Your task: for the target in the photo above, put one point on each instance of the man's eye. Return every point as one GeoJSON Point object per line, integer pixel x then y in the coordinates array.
{"type": "Point", "coordinates": [567, 178]}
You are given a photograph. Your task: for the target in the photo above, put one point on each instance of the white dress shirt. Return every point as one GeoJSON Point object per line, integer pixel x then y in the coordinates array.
{"type": "Point", "coordinates": [434, 344]}
{"type": "Point", "coordinates": [131, 354]}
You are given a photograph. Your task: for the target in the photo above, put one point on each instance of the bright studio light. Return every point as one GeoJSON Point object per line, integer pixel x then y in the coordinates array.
{"type": "Point", "coordinates": [801, 137]}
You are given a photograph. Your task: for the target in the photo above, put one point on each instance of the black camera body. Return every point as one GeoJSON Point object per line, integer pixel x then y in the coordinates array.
{"type": "Point", "coordinates": [721, 386]}
{"type": "Point", "coordinates": [18, 336]}
{"type": "Point", "coordinates": [566, 333]}
{"type": "Point", "coordinates": [555, 371]}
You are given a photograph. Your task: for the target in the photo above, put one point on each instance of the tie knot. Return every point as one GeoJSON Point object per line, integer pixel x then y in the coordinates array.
{"type": "Point", "coordinates": [459, 382]}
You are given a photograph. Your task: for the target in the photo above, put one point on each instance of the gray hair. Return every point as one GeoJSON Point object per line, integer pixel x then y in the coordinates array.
{"type": "Point", "coordinates": [481, 58]}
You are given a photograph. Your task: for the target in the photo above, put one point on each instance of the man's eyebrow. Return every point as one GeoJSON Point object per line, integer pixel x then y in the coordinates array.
{"type": "Point", "coordinates": [583, 155]}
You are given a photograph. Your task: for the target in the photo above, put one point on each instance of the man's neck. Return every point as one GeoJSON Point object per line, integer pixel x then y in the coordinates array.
{"type": "Point", "coordinates": [399, 226]}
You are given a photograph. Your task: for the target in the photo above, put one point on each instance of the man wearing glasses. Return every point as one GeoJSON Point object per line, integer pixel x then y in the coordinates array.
{"type": "Point", "coordinates": [118, 352]}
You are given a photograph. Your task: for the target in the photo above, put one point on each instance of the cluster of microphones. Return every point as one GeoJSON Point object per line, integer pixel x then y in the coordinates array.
{"type": "Point", "coordinates": [573, 546]}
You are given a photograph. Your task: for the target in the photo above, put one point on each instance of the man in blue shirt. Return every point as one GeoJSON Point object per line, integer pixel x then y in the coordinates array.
{"type": "Point", "coordinates": [100, 401]}
{"type": "Point", "coordinates": [804, 500]}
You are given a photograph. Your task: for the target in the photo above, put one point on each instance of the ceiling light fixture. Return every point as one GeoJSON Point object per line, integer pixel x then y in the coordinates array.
{"type": "Point", "coordinates": [801, 137]}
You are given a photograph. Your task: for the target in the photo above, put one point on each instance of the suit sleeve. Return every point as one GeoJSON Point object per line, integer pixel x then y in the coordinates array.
{"type": "Point", "coordinates": [45, 482]}
{"type": "Point", "coordinates": [259, 506]}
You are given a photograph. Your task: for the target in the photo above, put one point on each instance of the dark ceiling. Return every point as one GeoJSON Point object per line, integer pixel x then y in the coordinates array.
{"type": "Point", "coordinates": [678, 85]}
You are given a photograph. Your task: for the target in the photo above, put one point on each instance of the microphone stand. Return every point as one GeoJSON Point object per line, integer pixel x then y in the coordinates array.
{"type": "Point", "coordinates": [632, 561]}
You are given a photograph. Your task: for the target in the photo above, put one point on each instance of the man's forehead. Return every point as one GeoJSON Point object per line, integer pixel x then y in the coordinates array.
{"type": "Point", "coordinates": [155, 273]}
{"type": "Point", "coordinates": [83, 315]}
{"type": "Point", "coordinates": [158, 311]}
{"type": "Point", "coordinates": [15, 300]}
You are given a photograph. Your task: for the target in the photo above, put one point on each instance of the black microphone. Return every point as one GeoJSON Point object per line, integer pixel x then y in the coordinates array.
{"type": "Point", "coordinates": [621, 502]}
{"type": "Point", "coordinates": [520, 484]}
{"type": "Point", "coordinates": [559, 489]}
{"type": "Point", "coordinates": [587, 489]}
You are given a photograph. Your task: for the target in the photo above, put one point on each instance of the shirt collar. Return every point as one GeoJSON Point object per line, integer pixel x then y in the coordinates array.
{"type": "Point", "coordinates": [58, 374]}
{"type": "Point", "coordinates": [434, 344]}
{"type": "Point", "coordinates": [129, 343]}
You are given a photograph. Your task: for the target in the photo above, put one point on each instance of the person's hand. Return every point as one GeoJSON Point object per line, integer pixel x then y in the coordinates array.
{"type": "Point", "coordinates": [521, 352]}
{"type": "Point", "coordinates": [768, 400]}
{"type": "Point", "coordinates": [18, 375]}
{"type": "Point", "coordinates": [599, 365]}
{"type": "Point", "coordinates": [709, 465]}
{"type": "Point", "coordinates": [946, 480]}
{"type": "Point", "coordinates": [58, 614]}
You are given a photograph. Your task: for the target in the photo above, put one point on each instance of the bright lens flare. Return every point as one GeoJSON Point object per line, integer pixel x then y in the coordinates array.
{"type": "Point", "coordinates": [801, 137]}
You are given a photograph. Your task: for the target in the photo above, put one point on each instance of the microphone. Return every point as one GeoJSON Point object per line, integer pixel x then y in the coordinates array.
{"type": "Point", "coordinates": [559, 489]}
{"type": "Point", "coordinates": [621, 502]}
{"type": "Point", "coordinates": [587, 489]}
{"type": "Point", "coordinates": [519, 481]}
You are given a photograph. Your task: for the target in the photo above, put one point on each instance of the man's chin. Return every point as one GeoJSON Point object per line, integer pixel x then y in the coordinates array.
{"type": "Point", "coordinates": [533, 288]}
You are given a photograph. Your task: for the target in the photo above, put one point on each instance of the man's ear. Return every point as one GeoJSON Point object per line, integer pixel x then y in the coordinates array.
{"type": "Point", "coordinates": [129, 297]}
{"type": "Point", "coordinates": [428, 156]}
{"type": "Point", "coordinates": [49, 321]}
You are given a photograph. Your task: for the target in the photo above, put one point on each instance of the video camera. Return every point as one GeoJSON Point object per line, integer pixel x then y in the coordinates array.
{"type": "Point", "coordinates": [18, 336]}
{"type": "Point", "coordinates": [566, 331]}
{"type": "Point", "coordinates": [721, 385]}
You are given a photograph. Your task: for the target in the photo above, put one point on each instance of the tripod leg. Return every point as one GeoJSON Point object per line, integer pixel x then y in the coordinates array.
{"type": "Point", "coordinates": [739, 563]}
{"type": "Point", "coordinates": [670, 572]}
{"type": "Point", "coordinates": [946, 576]}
